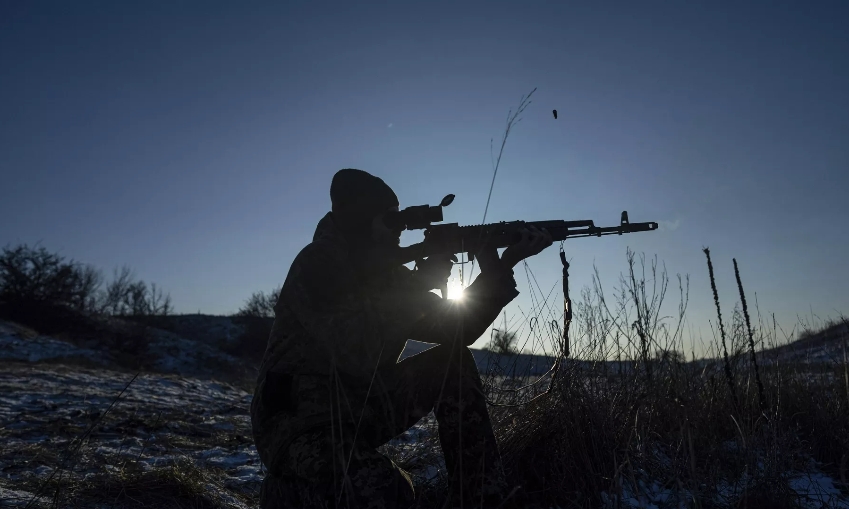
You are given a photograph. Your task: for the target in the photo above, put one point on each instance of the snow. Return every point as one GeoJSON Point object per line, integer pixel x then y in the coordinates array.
{"type": "Point", "coordinates": [170, 353]}
{"type": "Point", "coordinates": [18, 498]}
{"type": "Point", "coordinates": [159, 420]}
{"type": "Point", "coordinates": [817, 490]}
{"type": "Point", "coordinates": [16, 346]}
{"type": "Point", "coordinates": [814, 490]}
{"type": "Point", "coordinates": [176, 354]}
{"type": "Point", "coordinates": [648, 495]}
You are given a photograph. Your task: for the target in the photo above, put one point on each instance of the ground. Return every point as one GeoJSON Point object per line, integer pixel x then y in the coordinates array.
{"type": "Point", "coordinates": [78, 431]}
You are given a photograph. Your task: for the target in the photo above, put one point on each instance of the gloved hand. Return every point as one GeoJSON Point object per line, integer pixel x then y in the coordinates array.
{"type": "Point", "coordinates": [433, 272]}
{"type": "Point", "coordinates": [533, 242]}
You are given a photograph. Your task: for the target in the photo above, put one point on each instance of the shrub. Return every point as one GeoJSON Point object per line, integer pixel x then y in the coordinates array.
{"type": "Point", "coordinates": [34, 276]}
{"type": "Point", "coordinates": [124, 296]}
{"type": "Point", "coordinates": [252, 342]}
{"type": "Point", "coordinates": [503, 342]}
{"type": "Point", "coordinates": [53, 295]}
{"type": "Point", "coordinates": [257, 315]}
{"type": "Point", "coordinates": [260, 304]}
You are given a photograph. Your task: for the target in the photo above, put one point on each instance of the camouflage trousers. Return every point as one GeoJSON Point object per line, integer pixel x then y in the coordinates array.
{"type": "Point", "coordinates": [338, 466]}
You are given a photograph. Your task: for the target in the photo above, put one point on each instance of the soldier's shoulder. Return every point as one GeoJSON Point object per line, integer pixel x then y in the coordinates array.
{"type": "Point", "coordinates": [320, 252]}
{"type": "Point", "coordinates": [320, 266]}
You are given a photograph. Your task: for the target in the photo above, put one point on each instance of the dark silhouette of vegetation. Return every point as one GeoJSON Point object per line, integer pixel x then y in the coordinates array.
{"type": "Point", "coordinates": [611, 432]}
{"type": "Point", "coordinates": [125, 296]}
{"type": "Point", "coordinates": [729, 375]}
{"type": "Point", "coordinates": [257, 316]}
{"type": "Point", "coordinates": [260, 304]}
{"type": "Point", "coordinates": [34, 277]}
{"type": "Point", "coordinates": [503, 342]}
{"type": "Point", "coordinates": [753, 356]}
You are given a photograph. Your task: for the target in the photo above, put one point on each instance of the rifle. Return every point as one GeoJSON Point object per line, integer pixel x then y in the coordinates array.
{"type": "Point", "coordinates": [445, 239]}
{"type": "Point", "coordinates": [450, 239]}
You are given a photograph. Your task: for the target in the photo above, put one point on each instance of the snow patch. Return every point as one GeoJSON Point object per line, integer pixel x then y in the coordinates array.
{"type": "Point", "coordinates": [15, 347]}
{"type": "Point", "coordinates": [817, 490]}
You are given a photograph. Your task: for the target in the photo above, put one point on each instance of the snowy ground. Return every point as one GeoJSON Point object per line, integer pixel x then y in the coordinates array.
{"type": "Point", "coordinates": [811, 490]}
{"type": "Point", "coordinates": [167, 352]}
{"type": "Point", "coordinates": [67, 422]}
{"type": "Point", "coordinates": [159, 420]}
{"type": "Point", "coordinates": [20, 344]}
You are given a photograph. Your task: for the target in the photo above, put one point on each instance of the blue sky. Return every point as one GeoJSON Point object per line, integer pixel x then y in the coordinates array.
{"type": "Point", "coordinates": [195, 142]}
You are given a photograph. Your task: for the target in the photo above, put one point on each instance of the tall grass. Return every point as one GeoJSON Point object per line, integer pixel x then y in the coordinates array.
{"type": "Point", "coordinates": [630, 418]}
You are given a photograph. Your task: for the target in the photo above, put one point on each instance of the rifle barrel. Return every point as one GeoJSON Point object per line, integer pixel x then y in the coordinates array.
{"type": "Point", "coordinates": [566, 229]}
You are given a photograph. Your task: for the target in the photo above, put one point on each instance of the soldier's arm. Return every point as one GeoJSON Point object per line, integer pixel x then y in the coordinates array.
{"type": "Point", "coordinates": [465, 319]}
{"type": "Point", "coordinates": [356, 330]}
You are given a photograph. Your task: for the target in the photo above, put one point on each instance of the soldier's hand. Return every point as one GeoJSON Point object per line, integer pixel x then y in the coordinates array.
{"type": "Point", "coordinates": [434, 271]}
{"type": "Point", "coordinates": [488, 259]}
{"type": "Point", "coordinates": [533, 242]}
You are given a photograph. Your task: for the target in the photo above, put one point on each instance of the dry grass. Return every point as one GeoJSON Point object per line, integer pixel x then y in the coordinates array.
{"type": "Point", "coordinates": [177, 486]}
{"type": "Point", "coordinates": [707, 434]}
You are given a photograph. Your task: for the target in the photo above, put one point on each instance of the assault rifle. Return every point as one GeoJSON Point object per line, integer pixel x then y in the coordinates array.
{"type": "Point", "coordinates": [445, 239]}
{"type": "Point", "coordinates": [451, 239]}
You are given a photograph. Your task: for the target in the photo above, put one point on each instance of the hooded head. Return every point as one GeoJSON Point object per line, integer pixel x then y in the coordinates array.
{"type": "Point", "coordinates": [358, 197]}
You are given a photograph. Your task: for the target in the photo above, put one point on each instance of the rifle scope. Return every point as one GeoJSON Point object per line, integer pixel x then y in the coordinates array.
{"type": "Point", "coordinates": [416, 217]}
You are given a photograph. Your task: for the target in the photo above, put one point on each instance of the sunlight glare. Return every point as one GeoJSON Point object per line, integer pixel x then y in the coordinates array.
{"type": "Point", "coordinates": [455, 289]}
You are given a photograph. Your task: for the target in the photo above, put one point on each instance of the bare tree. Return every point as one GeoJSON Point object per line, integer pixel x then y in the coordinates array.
{"type": "Point", "coordinates": [90, 281]}
{"type": "Point", "coordinates": [160, 304]}
{"type": "Point", "coordinates": [113, 301]}
{"type": "Point", "coordinates": [260, 304]}
{"type": "Point", "coordinates": [124, 296]}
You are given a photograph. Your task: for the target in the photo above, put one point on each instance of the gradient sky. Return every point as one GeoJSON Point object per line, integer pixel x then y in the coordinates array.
{"type": "Point", "coordinates": [195, 142]}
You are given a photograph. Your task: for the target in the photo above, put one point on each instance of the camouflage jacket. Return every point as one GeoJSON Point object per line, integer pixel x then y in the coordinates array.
{"type": "Point", "coordinates": [327, 323]}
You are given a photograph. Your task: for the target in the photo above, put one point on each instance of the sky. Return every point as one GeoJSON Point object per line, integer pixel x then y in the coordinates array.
{"type": "Point", "coordinates": [196, 141]}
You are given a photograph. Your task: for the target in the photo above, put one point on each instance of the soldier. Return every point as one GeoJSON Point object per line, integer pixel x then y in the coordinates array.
{"type": "Point", "coordinates": [331, 389]}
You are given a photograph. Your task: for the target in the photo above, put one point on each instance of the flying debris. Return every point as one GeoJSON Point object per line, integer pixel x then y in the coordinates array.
{"type": "Point", "coordinates": [555, 114]}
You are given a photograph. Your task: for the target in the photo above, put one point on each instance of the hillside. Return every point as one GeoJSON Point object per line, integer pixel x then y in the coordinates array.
{"type": "Point", "coordinates": [196, 345]}
{"type": "Point", "coordinates": [207, 345]}
{"type": "Point", "coordinates": [830, 344]}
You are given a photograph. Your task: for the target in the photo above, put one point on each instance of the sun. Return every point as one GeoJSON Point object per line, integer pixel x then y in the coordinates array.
{"type": "Point", "coordinates": [455, 289]}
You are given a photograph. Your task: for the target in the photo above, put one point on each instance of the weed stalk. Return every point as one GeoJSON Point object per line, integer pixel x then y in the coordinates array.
{"type": "Point", "coordinates": [726, 362]}
{"type": "Point", "coordinates": [761, 402]}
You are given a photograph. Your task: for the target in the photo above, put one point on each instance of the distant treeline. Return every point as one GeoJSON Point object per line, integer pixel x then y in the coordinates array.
{"type": "Point", "coordinates": [33, 277]}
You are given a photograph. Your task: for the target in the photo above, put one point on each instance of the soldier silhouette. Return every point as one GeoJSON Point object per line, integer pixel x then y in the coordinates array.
{"type": "Point", "coordinates": [331, 389]}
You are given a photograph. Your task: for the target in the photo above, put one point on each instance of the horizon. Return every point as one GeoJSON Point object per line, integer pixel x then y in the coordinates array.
{"type": "Point", "coordinates": [196, 145]}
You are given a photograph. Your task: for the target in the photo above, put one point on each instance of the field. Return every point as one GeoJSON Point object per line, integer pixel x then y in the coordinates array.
{"type": "Point", "coordinates": [605, 435]}
{"type": "Point", "coordinates": [152, 410]}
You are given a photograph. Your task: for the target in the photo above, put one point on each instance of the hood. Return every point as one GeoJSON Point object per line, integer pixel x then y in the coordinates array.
{"type": "Point", "coordinates": [328, 231]}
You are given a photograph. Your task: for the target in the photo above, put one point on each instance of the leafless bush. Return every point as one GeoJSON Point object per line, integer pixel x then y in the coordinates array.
{"type": "Point", "coordinates": [260, 304]}
{"type": "Point", "coordinates": [503, 342]}
{"type": "Point", "coordinates": [126, 296]}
